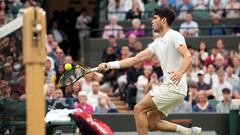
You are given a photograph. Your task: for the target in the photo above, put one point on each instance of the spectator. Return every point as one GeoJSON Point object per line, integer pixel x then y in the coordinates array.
{"type": "Point", "coordinates": [49, 71]}
{"type": "Point", "coordinates": [94, 95]}
{"type": "Point", "coordinates": [210, 77]}
{"type": "Point", "coordinates": [185, 107]}
{"type": "Point", "coordinates": [59, 35]}
{"type": "Point", "coordinates": [153, 82]}
{"type": "Point", "coordinates": [192, 94]}
{"type": "Point", "coordinates": [189, 27]}
{"type": "Point", "coordinates": [136, 29]}
{"type": "Point", "coordinates": [5, 89]}
{"type": "Point", "coordinates": [58, 94]}
{"type": "Point", "coordinates": [226, 104]}
{"type": "Point", "coordinates": [117, 7]}
{"type": "Point", "coordinates": [232, 78]}
{"type": "Point", "coordinates": [131, 89]}
{"type": "Point", "coordinates": [82, 103]}
{"type": "Point", "coordinates": [109, 54]}
{"type": "Point", "coordinates": [49, 90]}
{"type": "Point", "coordinates": [112, 43]}
{"type": "Point", "coordinates": [232, 9]}
{"type": "Point", "coordinates": [59, 56]}
{"type": "Point", "coordinates": [129, 4]}
{"type": "Point", "coordinates": [105, 105]}
{"type": "Point", "coordinates": [183, 8]}
{"type": "Point", "coordinates": [200, 4]}
{"type": "Point", "coordinates": [202, 103]}
{"type": "Point", "coordinates": [83, 26]}
{"type": "Point", "coordinates": [9, 75]}
{"type": "Point", "coordinates": [201, 85]}
{"type": "Point", "coordinates": [220, 47]}
{"type": "Point", "coordinates": [76, 88]}
{"type": "Point", "coordinates": [236, 66]}
{"type": "Point", "coordinates": [216, 8]}
{"type": "Point", "coordinates": [216, 27]}
{"type": "Point", "coordinates": [2, 18]}
{"type": "Point", "coordinates": [157, 67]}
{"type": "Point", "coordinates": [219, 62]}
{"type": "Point", "coordinates": [142, 82]}
{"type": "Point", "coordinates": [217, 87]}
{"type": "Point", "coordinates": [149, 8]}
{"type": "Point", "coordinates": [232, 54]}
{"type": "Point", "coordinates": [113, 29]}
{"type": "Point", "coordinates": [87, 83]}
{"type": "Point", "coordinates": [135, 11]}
{"type": "Point", "coordinates": [202, 49]}
{"type": "Point", "coordinates": [210, 59]}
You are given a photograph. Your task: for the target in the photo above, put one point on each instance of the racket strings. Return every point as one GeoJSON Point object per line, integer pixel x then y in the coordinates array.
{"type": "Point", "coordinates": [71, 76]}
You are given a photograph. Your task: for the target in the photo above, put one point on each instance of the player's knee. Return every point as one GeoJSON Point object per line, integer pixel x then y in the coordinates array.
{"type": "Point", "coordinates": [137, 109]}
{"type": "Point", "coordinates": [151, 125]}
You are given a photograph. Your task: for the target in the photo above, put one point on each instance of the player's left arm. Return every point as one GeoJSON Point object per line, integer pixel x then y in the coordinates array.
{"type": "Point", "coordinates": [187, 58]}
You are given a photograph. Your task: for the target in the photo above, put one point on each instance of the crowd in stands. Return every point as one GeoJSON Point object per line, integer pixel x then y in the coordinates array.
{"type": "Point", "coordinates": [214, 76]}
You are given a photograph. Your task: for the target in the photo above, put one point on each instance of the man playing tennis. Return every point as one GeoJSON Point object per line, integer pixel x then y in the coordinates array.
{"type": "Point", "coordinates": [175, 59]}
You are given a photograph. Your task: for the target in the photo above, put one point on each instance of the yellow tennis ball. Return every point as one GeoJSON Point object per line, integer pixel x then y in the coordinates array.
{"type": "Point", "coordinates": [68, 66]}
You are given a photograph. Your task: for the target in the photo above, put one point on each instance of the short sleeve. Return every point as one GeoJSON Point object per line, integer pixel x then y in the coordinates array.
{"type": "Point", "coordinates": [179, 40]}
{"type": "Point", "coordinates": [151, 47]}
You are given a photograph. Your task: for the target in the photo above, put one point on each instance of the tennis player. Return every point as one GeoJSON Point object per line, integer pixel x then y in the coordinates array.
{"type": "Point", "coordinates": [175, 59]}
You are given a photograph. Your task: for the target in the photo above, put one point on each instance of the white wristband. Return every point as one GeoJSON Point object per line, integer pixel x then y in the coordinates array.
{"type": "Point", "coordinates": [114, 64]}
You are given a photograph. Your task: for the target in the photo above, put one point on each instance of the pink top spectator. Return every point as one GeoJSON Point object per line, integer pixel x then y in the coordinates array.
{"type": "Point", "coordinates": [87, 108]}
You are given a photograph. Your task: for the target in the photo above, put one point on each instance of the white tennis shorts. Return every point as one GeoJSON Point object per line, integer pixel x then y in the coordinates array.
{"type": "Point", "coordinates": [166, 97]}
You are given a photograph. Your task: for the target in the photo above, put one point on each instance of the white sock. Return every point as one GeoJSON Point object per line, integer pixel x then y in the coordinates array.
{"type": "Point", "coordinates": [183, 130]}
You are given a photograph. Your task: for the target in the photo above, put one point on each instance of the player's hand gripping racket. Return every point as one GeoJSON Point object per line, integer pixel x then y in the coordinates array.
{"type": "Point", "coordinates": [71, 76]}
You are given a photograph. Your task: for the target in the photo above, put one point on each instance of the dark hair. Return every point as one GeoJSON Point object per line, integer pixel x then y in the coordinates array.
{"type": "Point", "coordinates": [166, 12]}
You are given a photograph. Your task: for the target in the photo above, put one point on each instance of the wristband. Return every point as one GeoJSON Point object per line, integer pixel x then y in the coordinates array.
{"type": "Point", "coordinates": [114, 64]}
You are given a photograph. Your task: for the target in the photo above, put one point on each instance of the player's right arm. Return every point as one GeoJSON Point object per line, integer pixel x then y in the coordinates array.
{"type": "Point", "coordinates": [142, 56]}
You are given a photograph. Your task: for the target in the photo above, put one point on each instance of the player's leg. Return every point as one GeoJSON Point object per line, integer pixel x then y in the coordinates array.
{"type": "Point", "coordinates": [140, 114]}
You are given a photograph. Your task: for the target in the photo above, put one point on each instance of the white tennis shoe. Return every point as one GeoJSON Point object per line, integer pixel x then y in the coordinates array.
{"type": "Point", "coordinates": [196, 131]}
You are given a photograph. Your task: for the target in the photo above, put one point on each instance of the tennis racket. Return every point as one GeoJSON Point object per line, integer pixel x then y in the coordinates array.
{"type": "Point", "coordinates": [71, 76]}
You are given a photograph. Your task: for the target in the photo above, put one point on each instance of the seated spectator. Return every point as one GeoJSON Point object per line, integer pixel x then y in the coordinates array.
{"type": "Point", "coordinates": [49, 71]}
{"type": "Point", "coordinates": [210, 59]}
{"type": "Point", "coordinates": [49, 91]}
{"type": "Point", "coordinates": [216, 27]}
{"type": "Point", "coordinates": [203, 52]}
{"type": "Point", "coordinates": [111, 43]}
{"type": "Point", "coordinates": [217, 87]}
{"type": "Point", "coordinates": [113, 29]}
{"type": "Point", "coordinates": [232, 9]}
{"type": "Point", "coordinates": [5, 89]}
{"type": "Point", "coordinates": [200, 4]}
{"type": "Point", "coordinates": [149, 8]}
{"type": "Point", "coordinates": [135, 11]}
{"type": "Point", "coordinates": [202, 103]}
{"type": "Point", "coordinates": [81, 103]}
{"type": "Point", "coordinates": [129, 4]}
{"type": "Point", "coordinates": [192, 94]}
{"type": "Point", "coordinates": [219, 62]}
{"type": "Point", "coordinates": [86, 83]}
{"type": "Point", "coordinates": [117, 7]}
{"type": "Point", "coordinates": [225, 105]}
{"type": "Point", "coordinates": [153, 83]}
{"type": "Point", "coordinates": [109, 54]}
{"type": "Point", "coordinates": [136, 29]}
{"type": "Point", "coordinates": [189, 27]}
{"type": "Point", "coordinates": [220, 48]}
{"type": "Point", "coordinates": [105, 105]}
{"type": "Point", "coordinates": [3, 19]}
{"type": "Point", "coordinates": [216, 8]}
{"type": "Point", "coordinates": [76, 88]}
{"type": "Point", "coordinates": [57, 94]}
{"type": "Point", "coordinates": [232, 78]}
{"type": "Point", "coordinates": [201, 85]}
{"type": "Point", "coordinates": [183, 8]}
{"type": "Point", "coordinates": [185, 107]}
{"type": "Point", "coordinates": [236, 66]}
{"type": "Point", "coordinates": [9, 75]}
{"type": "Point", "coordinates": [131, 89]}
{"type": "Point", "coordinates": [142, 82]}
{"type": "Point", "coordinates": [94, 95]}
{"type": "Point", "coordinates": [211, 77]}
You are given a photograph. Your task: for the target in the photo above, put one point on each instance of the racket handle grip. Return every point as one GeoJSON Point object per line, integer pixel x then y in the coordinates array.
{"type": "Point", "coordinates": [94, 69]}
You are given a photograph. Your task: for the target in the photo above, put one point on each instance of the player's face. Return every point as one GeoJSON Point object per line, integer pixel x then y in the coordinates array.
{"type": "Point", "coordinates": [156, 23]}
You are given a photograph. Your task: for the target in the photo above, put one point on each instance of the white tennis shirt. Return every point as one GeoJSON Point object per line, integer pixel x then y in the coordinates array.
{"type": "Point", "coordinates": [165, 48]}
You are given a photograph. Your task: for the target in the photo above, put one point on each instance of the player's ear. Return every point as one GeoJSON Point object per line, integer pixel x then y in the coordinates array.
{"type": "Point", "coordinates": [164, 20]}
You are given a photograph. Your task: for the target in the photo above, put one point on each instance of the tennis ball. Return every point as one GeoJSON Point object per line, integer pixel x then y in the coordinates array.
{"type": "Point", "coordinates": [68, 66]}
